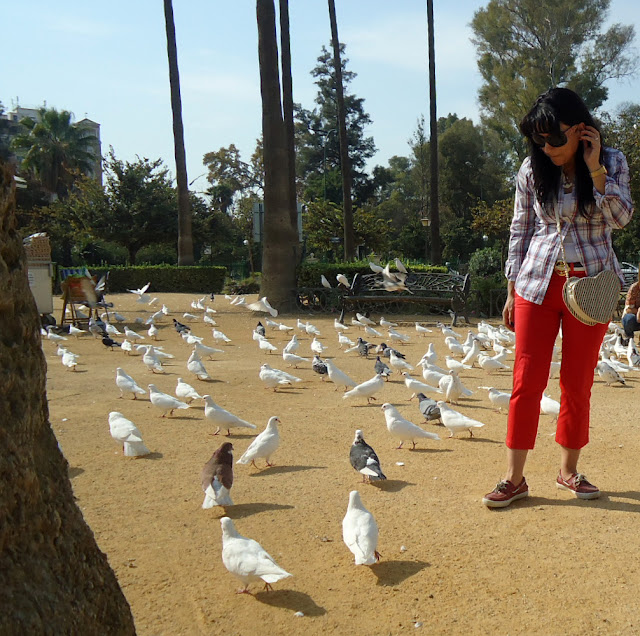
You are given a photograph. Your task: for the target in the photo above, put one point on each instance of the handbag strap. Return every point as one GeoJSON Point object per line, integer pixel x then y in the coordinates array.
{"type": "Point", "coordinates": [564, 256]}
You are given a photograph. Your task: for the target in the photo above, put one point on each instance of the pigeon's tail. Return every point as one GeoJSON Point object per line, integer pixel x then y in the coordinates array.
{"type": "Point", "coordinates": [373, 471]}
{"type": "Point", "coordinates": [277, 575]}
{"type": "Point", "coordinates": [135, 449]}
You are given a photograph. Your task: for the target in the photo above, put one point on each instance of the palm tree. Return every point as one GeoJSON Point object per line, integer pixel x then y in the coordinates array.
{"type": "Point", "coordinates": [436, 248]}
{"type": "Point", "coordinates": [185, 236]}
{"type": "Point", "coordinates": [280, 233]}
{"type": "Point", "coordinates": [57, 150]}
{"type": "Point", "coordinates": [345, 163]}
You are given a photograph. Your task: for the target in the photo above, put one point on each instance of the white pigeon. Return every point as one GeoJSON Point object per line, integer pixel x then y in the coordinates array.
{"type": "Point", "coordinates": [367, 389]}
{"type": "Point", "coordinates": [69, 360]}
{"type": "Point", "coordinates": [206, 350]}
{"type": "Point", "coordinates": [364, 320]}
{"type": "Point", "coordinates": [375, 268]}
{"type": "Point", "coordinates": [111, 330]}
{"type": "Point", "coordinates": [74, 331]}
{"type": "Point", "coordinates": [119, 317]}
{"type": "Point", "coordinates": [152, 332]}
{"type": "Point", "coordinates": [499, 399]}
{"type": "Point", "coordinates": [473, 352]}
{"type": "Point", "coordinates": [141, 290]}
{"type": "Point", "coordinates": [221, 417]}
{"type": "Point", "coordinates": [195, 366]}
{"type": "Point", "coordinates": [452, 387]}
{"type": "Point", "coordinates": [455, 421]}
{"type": "Point", "coordinates": [165, 310]}
{"type": "Point", "coordinates": [126, 347]}
{"type": "Point", "coordinates": [282, 327]}
{"type": "Point", "coordinates": [549, 406]}
{"type": "Point", "coordinates": [292, 345]}
{"type": "Point", "coordinates": [153, 317]}
{"type": "Point", "coordinates": [447, 331]}
{"type": "Point", "coordinates": [263, 306]}
{"type": "Point", "coordinates": [423, 330]}
{"type": "Point", "coordinates": [132, 335]}
{"type": "Point", "coordinates": [190, 338]}
{"type": "Point", "coordinates": [264, 445]}
{"type": "Point", "coordinates": [127, 384]}
{"type": "Point", "coordinates": [415, 386]}
{"type": "Point", "coordinates": [399, 363]}
{"type": "Point", "coordinates": [608, 373]}
{"type": "Point", "coordinates": [403, 429]}
{"type": "Point", "coordinates": [338, 377]}
{"type": "Point", "coordinates": [312, 330]}
{"type": "Point", "coordinates": [386, 323]}
{"type": "Point", "coordinates": [454, 346]}
{"type": "Point", "coordinates": [51, 335]}
{"type": "Point", "coordinates": [397, 336]}
{"type": "Point", "coordinates": [317, 347]}
{"type": "Point", "coordinates": [209, 320]}
{"type": "Point", "coordinates": [293, 359]}
{"type": "Point", "coordinates": [633, 358]}
{"type": "Point", "coordinates": [431, 376]}
{"type": "Point", "coordinates": [490, 364]}
{"type": "Point", "coordinates": [430, 356]}
{"type": "Point", "coordinates": [189, 316]}
{"type": "Point", "coordinates": [127, 433]}
{"type": "Point", "coordinates": [324, 281]}
{"type": "Point", "coordinates": [151, 360]}
{"type": "Point", "coordinates": [454, 364]}
{"type": "Point", "coordinates": [343, 280]}
{"type": "Point", "coordinates": [360, 531]}
{"type": "Point", "coordinates": [165, 402]}
{"type": "Point", "coordinates": [342, 340]}
{"type": "Point", "coordinates": [265, 345]}
{"type": "Point", "coordinates": [218, 335]}
{"type": "Point", "coordinates": [339, 326]}
{"type": "Point", "coordinates": [186, 392]}
{"type": "Point", "coordinates": [247, 559]}
{"type": "Point", "coordinates": [273, 378]}
{"type": "Point", "coordinates": [370, 331]}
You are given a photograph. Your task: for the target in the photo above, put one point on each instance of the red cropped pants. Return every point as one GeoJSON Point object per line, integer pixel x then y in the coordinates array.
{"type": "Point", "coordinates": [536, 328]}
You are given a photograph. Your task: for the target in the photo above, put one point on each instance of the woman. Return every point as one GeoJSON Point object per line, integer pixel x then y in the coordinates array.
{"type": "Point", "coordinates": [631, 315]}
{"type": "Point", "coordinates": [568, 170]}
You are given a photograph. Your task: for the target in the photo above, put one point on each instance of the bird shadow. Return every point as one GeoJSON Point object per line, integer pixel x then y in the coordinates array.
{"type": "Point", "coordinates": [430, 450]}
{"type": "Point", "coordinates": [391, 573]}
{"type": "Point", "coordinates": [80, 371]}
{"type": "Point", "coordinates": [392, 485]}
{"type": "Point", "coordinates": [275, 470]}
{"type": "Point", "coordinates": [153, 455]}
{"type": "Point", "coordinates": [74, 471]}
{"type": "Point", "coordinates": [291, 600]}
{"type": "Point", "coordinates": [365, 406]}
{"type": "Point", "coordinates": [605, 502]}
{"type": "Point", "coordinates": [240, 511]}
{"type": "Point", "coordinates": [477, 440]}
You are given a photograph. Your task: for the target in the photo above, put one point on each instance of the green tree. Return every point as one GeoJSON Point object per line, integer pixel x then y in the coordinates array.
{"type": "Point", "coordinates": [56, 150]}
{"type": "Point", "coordinates": [317, 139]}
{"type": "Point", "coordinates": [528, 46]}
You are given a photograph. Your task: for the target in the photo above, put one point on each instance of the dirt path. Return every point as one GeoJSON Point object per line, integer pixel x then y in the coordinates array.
{"type": "Point", "coordinates": [548, 565]}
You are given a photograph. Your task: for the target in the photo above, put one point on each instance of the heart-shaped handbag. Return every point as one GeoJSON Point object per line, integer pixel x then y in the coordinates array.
{"type": "Point", "coordinates": [592, 299]}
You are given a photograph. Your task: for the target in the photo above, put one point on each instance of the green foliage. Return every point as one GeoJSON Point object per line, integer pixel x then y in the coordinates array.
{"type": "Point", "coordinates": [249, 285]}
{"type": "Point", "coordinates": [158, 254]}
{"type": "Point", "coordinates": [488, 294]}
{"type": "Point", "coordinates": [167, 278]}
{"type": "Point", "coordinates": [525, 47]}
{"type": "Point", "coordinates": [309, 273]}
{"type": "Point", "coordinates": [485, 262]}
{"type": "Point", "coordinates": [56, 149]}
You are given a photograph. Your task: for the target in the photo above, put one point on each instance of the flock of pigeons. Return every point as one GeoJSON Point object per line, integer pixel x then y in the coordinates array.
{"type": "Point", "coordinates": [440, 387]}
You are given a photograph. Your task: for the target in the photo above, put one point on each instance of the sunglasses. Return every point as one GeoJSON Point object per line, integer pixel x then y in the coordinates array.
{"type": "Point", "coordinates": [554, 139]}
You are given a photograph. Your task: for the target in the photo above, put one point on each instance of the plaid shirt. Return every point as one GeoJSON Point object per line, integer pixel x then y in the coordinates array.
{"type": "Point", "coordinates": [534, 244]}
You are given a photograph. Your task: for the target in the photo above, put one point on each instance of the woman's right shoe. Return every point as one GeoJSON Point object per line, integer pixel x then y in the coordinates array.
{"type": "Point", "coordinates": [505, 493]}
{"type": "Point", "coordinates": [578, 485]}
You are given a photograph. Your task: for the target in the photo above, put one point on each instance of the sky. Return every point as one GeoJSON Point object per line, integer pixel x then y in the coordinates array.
{"type": "Point", "coordinates": [107, 61]}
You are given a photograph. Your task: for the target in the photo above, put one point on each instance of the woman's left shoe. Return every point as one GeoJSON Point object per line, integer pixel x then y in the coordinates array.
{"type": "Point", "coordinates": [578, 485]}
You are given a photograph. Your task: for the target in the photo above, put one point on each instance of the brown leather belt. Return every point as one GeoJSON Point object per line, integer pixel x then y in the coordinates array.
{"type": "Point", "coordinates": [560, 268]}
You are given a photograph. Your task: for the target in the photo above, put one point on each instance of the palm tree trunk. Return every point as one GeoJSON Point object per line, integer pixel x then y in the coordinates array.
{"type": "Point", "coordinates": [185, 237]}
{"type": "Point", "coordinates": [436, 248]}
{"type": "Point", "coordinates": [287, 108]}
{"type": "Point", "coordinates": [279, 253]}
{"type": "Point", "coordinates": [345, 162]}
{"type": "Point", "coordinates": [53, 577]}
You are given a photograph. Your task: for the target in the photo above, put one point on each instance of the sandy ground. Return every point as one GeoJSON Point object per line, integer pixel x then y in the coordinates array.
{"type": "Point", "coordinates": [547, 565]}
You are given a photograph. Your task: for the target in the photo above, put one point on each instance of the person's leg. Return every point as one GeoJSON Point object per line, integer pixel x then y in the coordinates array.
{"type": "Point", "coordinates": [630, 325]}
{"type": "Point", "coordinates": [569, 461]}
{"type": "Point", "coordinates": [516, 459]}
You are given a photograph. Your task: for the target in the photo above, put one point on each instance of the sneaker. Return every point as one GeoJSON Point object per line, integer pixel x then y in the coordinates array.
{"type": "Point", "coordinates": [505, 493]}
{"type": "Point", "coordinates": [579, 485]}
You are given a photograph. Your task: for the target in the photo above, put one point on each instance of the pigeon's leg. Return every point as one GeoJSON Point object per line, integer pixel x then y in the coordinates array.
{"type": "Point", "coordinates": [470, 433]}
{"type": "Point", "coordinates": [377, 555]}
{"type": "Point", "coordinates": [401, 443]}
{"type": "Point", "coordinates": [228, 432]}
{"type": "Point", "coordinates": [253, 463]}
{"type": "Point", "coordinates": [414, 444]}
{"type": "Point", "coordinates": [450, 436]}
{"type": "Point", "coordinates": [217, 431]}
{"type": "Point", "coordinates": [267, 587]}
{"type": "Point", "coordinates": [135, 397]}
{"type": "Point", "coordinates": [244, 590]}
{"type": "Point", "coordinates": [369, 400]}
{"type": "Point", "coordinates": [269, 463]}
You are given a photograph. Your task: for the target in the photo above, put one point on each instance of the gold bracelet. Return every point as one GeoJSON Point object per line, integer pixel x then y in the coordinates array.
{"type": "Point", "coordinates": [599, 171]}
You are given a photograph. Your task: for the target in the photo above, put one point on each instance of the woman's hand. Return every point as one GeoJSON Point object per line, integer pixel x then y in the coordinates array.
{"type": "Point", "coordinates": [591, 147]}
{"type": "Point", "coordinates": [508, 313]}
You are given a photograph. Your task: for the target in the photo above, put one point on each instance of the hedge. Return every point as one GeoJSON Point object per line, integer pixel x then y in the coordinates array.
{"type": "Point", "coordinates": [309, 273]}
{"type": "Point", "coordinates": [165, 278]}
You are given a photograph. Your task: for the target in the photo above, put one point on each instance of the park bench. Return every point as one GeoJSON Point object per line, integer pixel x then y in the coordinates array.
{"type": "Point", "coordinates": [438, 293]}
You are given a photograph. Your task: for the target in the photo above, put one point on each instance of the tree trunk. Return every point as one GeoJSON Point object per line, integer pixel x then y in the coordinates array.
{"type": "Point", "coordinates": [280, 240]}
{"type": "Point", "coordinates": [53, 577]}
{"type": "Point", "coordinates": [345, 162]}
{"type": "Point", "coordinates": [436, 248]}
{"type": "Point", "coordinates": [287, 108]}
{"type": "Point", "coordinates": [185, 237]}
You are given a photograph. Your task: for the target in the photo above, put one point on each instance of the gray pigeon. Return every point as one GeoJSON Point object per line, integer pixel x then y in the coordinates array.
{"type": "Point", "coordinates": [364, 459]}
{"type": "Point", "coordinates": [428, 408]}
{"type": "Point", "coordinates": [382, 368]}
{"type": "Point", "coordinates": [319, 366]}
{"type": "Point", "coordinates": [261, 330]}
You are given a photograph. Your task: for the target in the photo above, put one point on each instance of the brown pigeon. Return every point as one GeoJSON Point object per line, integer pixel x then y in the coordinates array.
{"type": "Point", "coordinates": [217, 478]}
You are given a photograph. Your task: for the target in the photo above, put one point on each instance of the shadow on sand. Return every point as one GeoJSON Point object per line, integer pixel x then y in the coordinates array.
{"type": "Point", "coordinates": [275, 470]}
{"type": "Point", "coordinates": [240, 511]}
{"type": "Point", "coordinates": [291, 600]}
{"type": "Point", "coordinates": [391, 573]}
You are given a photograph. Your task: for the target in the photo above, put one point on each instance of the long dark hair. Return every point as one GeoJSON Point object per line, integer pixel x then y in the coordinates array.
{"type": "Point", "coordinates": [555, 106]}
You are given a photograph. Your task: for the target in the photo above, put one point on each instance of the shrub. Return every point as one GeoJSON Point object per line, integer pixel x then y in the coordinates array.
{"type": "Point", "coordinates": [485, 262]}
{"type": "Point", "coordinates": [249, 285]}
{"type": "Point", "coordinates": [166, 278]}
